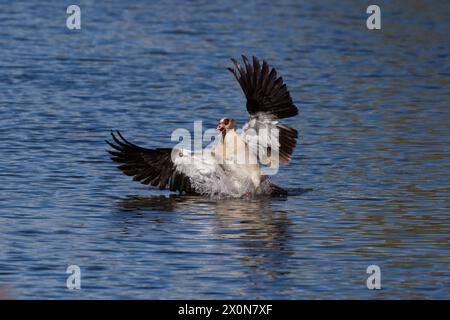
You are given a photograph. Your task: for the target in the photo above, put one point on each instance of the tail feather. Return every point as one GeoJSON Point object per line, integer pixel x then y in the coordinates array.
{"type": "Point", "coordinates": [277, 191]}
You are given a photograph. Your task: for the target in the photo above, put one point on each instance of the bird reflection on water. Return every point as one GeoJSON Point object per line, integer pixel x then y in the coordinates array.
{"type": "Point", "coordinates": [257, 229]}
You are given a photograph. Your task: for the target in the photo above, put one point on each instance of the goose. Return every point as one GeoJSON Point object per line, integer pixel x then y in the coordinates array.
{"type": "Point", "coordinates": [237, 165]}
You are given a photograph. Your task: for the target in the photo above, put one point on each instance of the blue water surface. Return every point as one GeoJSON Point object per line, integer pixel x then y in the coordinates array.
{"type": "Point", "coordinates": [373, 147]}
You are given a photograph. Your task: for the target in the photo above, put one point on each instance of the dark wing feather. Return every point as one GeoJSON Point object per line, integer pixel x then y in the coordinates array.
{"type": "Point", "coordinates": [267, 94]}
{"type": "Point", "coordinates": [288, 140]}
{"type": "Point", "coordinates": [148, 166]}
{"type": "Point", "coordinates": [264, 90]}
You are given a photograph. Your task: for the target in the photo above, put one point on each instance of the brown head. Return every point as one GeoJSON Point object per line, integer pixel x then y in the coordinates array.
{"type": "Point", "coordinates": [226, 124]}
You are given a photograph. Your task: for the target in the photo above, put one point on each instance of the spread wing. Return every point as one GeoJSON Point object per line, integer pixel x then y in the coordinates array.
{"type": "Point", "coordinates": [268, 100]}
{"type": "Point", "coordinates": [149, 166]}
{"type": "Point", "coordinates": [176, 169]}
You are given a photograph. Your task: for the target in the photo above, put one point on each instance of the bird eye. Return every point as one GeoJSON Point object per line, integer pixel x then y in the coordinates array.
{"type": "Point", "coordinates": [226, 121]}
{"type": "Point", "coordinates": [180, 154]}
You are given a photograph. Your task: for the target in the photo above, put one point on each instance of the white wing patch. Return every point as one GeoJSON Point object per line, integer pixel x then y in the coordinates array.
{"type": "Point", "coordinates": [208, 176]}
{"type": "Point", "coordinates": [262, 136]}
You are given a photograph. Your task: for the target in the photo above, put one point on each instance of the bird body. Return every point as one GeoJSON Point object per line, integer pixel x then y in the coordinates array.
{"type": "Point", "coordinates": [233, 166]}
{"type": "Point", "coordinates": [234, 153]}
